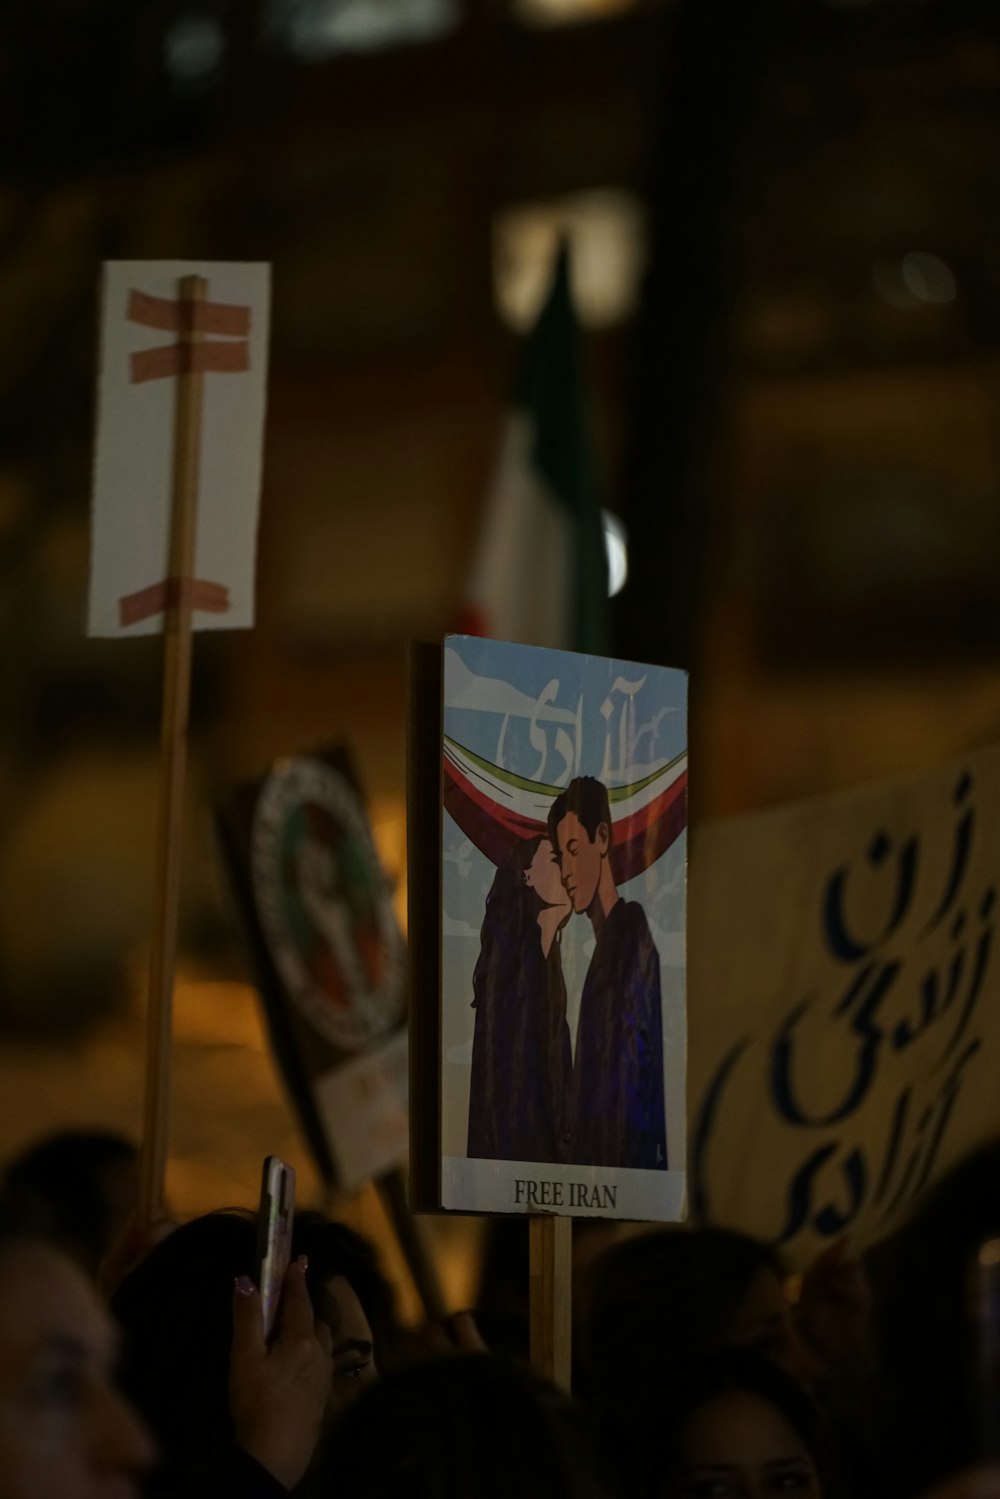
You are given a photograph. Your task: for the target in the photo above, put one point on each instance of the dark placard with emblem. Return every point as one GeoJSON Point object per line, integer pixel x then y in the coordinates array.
{"type": "Point", "coordinates": [316, 907]}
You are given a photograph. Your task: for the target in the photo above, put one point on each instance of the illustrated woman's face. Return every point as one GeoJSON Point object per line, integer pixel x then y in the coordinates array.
{"type": "Point", "coordinates": [544, 877]}
{"type": "Point", "coordinates": [739, 1446]}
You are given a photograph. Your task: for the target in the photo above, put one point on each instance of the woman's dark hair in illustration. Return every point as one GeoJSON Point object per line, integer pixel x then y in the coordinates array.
{"type": "Point", "coordinates": [520, 1048]}
{"type": "Point", "coordinates": [512, 908]}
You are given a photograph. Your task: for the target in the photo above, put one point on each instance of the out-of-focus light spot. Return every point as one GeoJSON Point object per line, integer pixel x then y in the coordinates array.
{"type": "Point", "coordinates": [194, 48]}
{"type": "Point", "coordinates": [928, 278]}
{"type": "Point", "coordinates": [606, 231]}
{"type": "Point", "coordinates": [616, 544]}
{"type": "Point", "coordinates": [887, 279]}
{"type": "Point", "coordinates": [918, 277]}
{"type": "Point", "coordinates": [565, 12]}
{"type": "Point", "coordinates": [321, 28]}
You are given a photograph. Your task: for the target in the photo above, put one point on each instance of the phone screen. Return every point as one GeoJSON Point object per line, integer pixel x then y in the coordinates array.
{"type": "Point", "coordinates": [985, 1315]}
{"type": "Point", "coordinates": [274, 1234]}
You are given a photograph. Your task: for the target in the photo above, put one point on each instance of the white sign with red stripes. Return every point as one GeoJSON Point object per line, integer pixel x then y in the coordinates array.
{"type": "Point", "coordinates": [142, 354]}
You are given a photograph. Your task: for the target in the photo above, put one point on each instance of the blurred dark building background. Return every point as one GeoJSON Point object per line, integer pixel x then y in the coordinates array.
{"type": "Point", "coordinates": [786, 237]}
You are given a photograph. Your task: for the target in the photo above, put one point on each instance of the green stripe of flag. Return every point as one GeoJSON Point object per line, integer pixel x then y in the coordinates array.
{"type": "Point", "coordinates": [551, 389]}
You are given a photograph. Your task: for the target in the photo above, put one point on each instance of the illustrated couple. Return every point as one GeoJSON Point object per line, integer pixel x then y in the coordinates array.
{"type": "Point", "coordinates": [531, 1099]}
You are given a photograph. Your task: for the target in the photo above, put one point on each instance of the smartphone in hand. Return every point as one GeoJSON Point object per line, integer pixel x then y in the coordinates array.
{"type": "Point", "coordinates": [984, 1308]}
{"type": "Point", "coordinates": [275, 1217]}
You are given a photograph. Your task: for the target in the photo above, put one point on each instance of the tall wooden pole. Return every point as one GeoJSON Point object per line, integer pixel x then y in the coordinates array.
{"type": "Point", "coordinates": [173, 755]}
{"type": "Point", "coordinates": [550, 1289]}
{"type": "Point", "coordinates": [413, 1241]}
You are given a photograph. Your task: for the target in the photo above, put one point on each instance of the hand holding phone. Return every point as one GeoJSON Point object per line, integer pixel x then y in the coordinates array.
{"type": "Point", "coordinates": [275, 1218]}
{"type": "Point", "coordinates": [279, 1391]}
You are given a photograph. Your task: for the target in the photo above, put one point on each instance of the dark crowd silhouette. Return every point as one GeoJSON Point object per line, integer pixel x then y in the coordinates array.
{"type": "Point", "coordinates": [135, 1363]}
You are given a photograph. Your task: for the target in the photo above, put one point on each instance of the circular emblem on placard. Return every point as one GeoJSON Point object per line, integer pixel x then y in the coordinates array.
{"type": "Point", "coordinates": [324, 904]}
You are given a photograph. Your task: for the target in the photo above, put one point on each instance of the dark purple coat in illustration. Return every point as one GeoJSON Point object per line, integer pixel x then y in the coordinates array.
{"type": "Point", "coordinates": [521, 1046]}
{"type": "Point", "coordinates": [616, 1115]}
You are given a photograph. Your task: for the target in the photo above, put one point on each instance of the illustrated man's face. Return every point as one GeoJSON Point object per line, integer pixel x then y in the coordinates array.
{"type": "Point", "coordinates": [580, 859]}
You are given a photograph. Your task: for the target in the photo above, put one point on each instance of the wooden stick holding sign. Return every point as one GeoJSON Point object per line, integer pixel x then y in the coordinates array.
{"type": "Point", "coordinates": [550, 1288]}
{"type": "Point", "coordinates": [515, 869]}
{"type": "Point", "coordinates": [414, 1244]}
{"type": "Point", "coordinates": [173, 750]}
{"type": "Point", "coordinates": [152, 537]}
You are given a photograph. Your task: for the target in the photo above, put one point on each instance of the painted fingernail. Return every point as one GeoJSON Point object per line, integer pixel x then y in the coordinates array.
{"type": "Point", "coordinates": [244, 1285]}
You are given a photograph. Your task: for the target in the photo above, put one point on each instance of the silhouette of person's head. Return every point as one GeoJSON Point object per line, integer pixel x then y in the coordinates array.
{"type": "Point", "coordinates": [463, 1425]}
{"type": "Point", "coordinates": [931, 1414]}
{"type": "Point", "coordinates": [732, 1421]}
{"type": "Point", "coordinates": [75, 1189]}
{"type": "Point", "coordinates": [674, 1293]}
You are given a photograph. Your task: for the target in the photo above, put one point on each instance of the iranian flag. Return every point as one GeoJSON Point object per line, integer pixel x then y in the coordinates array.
{"type": "Point", "coordinates": [539, 576]}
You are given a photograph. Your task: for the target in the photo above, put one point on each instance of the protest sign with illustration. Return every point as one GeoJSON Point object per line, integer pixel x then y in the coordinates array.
{"type": "Point", "coordinates": [846, 1037]}
{"type": "Point", "coordinates": [562, 1027]}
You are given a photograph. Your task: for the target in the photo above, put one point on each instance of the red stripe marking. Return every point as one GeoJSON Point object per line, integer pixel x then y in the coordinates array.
{"type": "Point", "coordinates": [649, 842]}
{"type": "Point", "coordinates": [170, 314]}
{"type": "Point", "coordinates": [637, 840]}
{"type": "Point", "coordinates": [516, 823]}
{"type": "Point", "coordinates": [471, 621]}
{"type": "Point", "coordinates": [624, 831]}
{"type": "Point", "coordinates": [628, 828]}
{"type": "Point", "coordinates": [477, 815]}
{"type": "Point", "coordinates": [524, 827]}
{"type": "Point", "coordinates": [212, 598]}
{"type": "Point", "coordinates": [176, 359]}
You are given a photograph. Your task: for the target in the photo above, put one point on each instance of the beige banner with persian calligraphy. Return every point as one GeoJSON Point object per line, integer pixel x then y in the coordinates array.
{"type": "Point", "coordinates": [844, 1004]}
